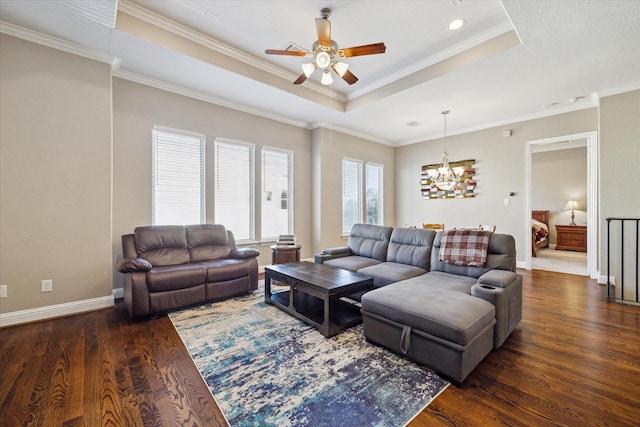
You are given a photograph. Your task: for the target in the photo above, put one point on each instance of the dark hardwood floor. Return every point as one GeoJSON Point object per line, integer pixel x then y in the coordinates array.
{"type": "Point", "coordinates": [574, 360]}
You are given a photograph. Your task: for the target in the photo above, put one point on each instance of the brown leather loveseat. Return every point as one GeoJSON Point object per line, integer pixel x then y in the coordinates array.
{"type": "Point", "coordinates": [172, 266]}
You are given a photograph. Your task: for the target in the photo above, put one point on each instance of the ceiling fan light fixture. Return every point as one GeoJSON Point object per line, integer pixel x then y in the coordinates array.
{"type": "Point", "coordinates": [323, 59]}
{"type": "Point", "coordinates": [456, 24]}
{"type": "Point", "coordinates": [340, 68]}
{"type": "Point", "coordinates": [309, 68]}
{"type": "Point", "coordinates": [326, 78]}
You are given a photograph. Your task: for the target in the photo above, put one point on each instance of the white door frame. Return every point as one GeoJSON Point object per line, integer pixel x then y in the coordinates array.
{"type": "Point", "coordinates": [592, 196]}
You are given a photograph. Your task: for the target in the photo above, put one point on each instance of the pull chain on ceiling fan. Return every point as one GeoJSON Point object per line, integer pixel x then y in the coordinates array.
{"type": "Point", "coordinates": [326, 54]}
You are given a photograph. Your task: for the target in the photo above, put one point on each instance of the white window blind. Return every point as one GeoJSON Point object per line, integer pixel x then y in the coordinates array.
{"type": "Point", "coordinates": [178, 177]}
{"type": "Point", "coordinates": [234, 188]}
{"type": "Point", "coordinates": [277, 193]}
{"type": "Point", "coordinates": [373, 201]}
{"type": "Point", "coordinates": [351, 194]}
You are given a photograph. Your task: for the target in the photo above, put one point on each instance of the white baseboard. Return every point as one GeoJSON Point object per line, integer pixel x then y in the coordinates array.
{"type": "Point", "coordinates": [58, 310]}
{"type": "Point", "coordinates": [602, 279]}
{"type": "Point", "coordinates": [118, 293]}
{"type": "Point", "coordinates": [521, 264]}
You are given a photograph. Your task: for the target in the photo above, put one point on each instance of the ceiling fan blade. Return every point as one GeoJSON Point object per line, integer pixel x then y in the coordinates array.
{"type": "Point", "coordinates": [369, 49]}
{"type": "Point", "coordinates": [300, 79]}
{"type": "Point", "coordinates": [323, 28]}
{"type": "Point", "coordinates": [286, 52]}
{"type": "Point", "coordinates": [349, 77]}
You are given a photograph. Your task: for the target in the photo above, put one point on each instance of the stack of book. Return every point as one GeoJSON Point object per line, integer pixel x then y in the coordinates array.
{"type": "Point", "coordinates": [286, 240]}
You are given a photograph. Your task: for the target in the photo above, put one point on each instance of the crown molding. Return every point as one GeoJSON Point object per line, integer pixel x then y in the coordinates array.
{"type": "Point", "coordinates": [586, 104]}
{"type": "Point", "coordinates": [347, 131]}
{"type": "Point", "coordinates": [211, 99]}
{"type": "Point", "coordinates": [617, 90]}
{"type": "Point", "coordinates": [222, 48]}
{"type": "Point", "coordinates": [440, 56]}
{"type": "Point", "coordinates": [56, 43]}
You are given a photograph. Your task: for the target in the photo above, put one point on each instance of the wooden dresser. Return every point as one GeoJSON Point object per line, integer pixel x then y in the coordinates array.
{"type": "Point", "coordinates": [571, 238]}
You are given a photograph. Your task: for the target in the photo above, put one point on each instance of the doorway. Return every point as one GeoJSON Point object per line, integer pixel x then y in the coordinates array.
{"type": "Point", "coordinates": [588, 139]}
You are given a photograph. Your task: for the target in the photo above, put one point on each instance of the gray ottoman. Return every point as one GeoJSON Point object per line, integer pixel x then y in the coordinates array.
{"type": "Point", "coordinates": [447, 331]}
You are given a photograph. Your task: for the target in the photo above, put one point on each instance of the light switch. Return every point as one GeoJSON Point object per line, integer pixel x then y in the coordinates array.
{"type": "Point", "coordinates": [506, 201]}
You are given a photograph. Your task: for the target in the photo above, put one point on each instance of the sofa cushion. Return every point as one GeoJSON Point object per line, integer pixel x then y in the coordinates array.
{"type": "Point", "coordinates": [207, 241]}
{"type": "Point", "coordinates": [220, 270]}
{"type": "Point", "coordinates": [162, 245]}
{"type": "Point", "coordinates": [464, 247]}
{"type": "Point", "coordinates": [411, 246]}
{"type": "Point", "coordinates": [371, 241]}
{"type": "Point", "coordinates": [445, 281]}
{"type": "Point", "coordinates": [389, 272]}
{"type": "Point", "coordinates": [453, 316]}
{"type": "Point", "coordinates": [501, 255]}
{"type": "Point", "coordinates": [352, 263]}
{"type": "Point", "coordinates": [172, 277]}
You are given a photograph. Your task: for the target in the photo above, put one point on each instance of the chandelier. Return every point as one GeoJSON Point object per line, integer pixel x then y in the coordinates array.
{"type": "Point", "coordinates": [445, 177]}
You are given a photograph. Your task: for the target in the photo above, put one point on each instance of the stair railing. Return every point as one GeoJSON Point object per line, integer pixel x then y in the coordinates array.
{"type": "Point", "coordinates": [626, 242]}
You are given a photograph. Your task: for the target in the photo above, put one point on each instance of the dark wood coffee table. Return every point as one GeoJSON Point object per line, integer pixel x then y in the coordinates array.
{"type": "Point", "coordinates": [315, 292]}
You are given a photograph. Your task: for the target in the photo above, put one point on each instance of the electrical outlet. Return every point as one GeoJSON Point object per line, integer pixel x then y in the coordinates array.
{"type": "Point", "coordinates": [3, 291]}
{"type": "Point", "coordinates": [46, 286]}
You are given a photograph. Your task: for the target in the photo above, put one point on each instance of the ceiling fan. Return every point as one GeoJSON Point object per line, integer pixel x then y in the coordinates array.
{"type": "Point", "coordinates": [326, 54]}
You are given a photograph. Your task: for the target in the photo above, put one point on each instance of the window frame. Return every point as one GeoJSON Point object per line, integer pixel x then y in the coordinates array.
{"type": "Point", "coordinates": [380, 185]}
{"type": "Point", "coordinates": [359, 191]}
{"type": "Point", "coordinates": [251, 194]}
{"type": "Point", "coordinates": [290, 193]}
{"type": "Point", "coordinates": [158, 132]}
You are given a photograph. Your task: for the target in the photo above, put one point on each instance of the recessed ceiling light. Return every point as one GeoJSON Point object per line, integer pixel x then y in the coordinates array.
{"type": "Point", "coordinates": [456, 24]}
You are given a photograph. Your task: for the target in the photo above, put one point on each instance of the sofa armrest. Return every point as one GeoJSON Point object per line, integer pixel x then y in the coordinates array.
{"type": "Point", "coordinates": [340, 250]}
{"type": "Point", "coordinates": [498, 278]}
{"type": "Point", "coordinates": [244, 253]}
{"type": "Point", "coordinates": [130, 265]}
{"type": "Point", "coordinates": [321, 258]}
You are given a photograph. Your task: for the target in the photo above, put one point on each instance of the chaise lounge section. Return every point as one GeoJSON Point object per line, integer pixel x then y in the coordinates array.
{"type": "Point", "coordinates": [440, 314]}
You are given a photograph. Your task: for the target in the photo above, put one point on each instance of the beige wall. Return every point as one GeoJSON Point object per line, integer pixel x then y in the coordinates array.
{"type": "Point", "coordinates": [55, 176]}
{"type": "Point", "coordinates": [557, 177]}
{"type": "Point", "coordinates": [619, 162]}
{"type": "Point", "coordinates": [137, 108]}
{"type": "Point", "coordinates": [329, 149]}
{"type": "Point", "coordinates": [500, 169]}
{"type": "Point", "coordinates": [59, 219]}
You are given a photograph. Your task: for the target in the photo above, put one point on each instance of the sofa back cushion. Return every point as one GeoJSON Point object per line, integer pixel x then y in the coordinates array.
{"type": "Point", "coordinates": [207, 242]}
{"type": "Point", "coordinates": [501, 255]}
{"type": "Point", "coordinates": [162, 245]}
{"type": "Point", "coordinates": [371, 241]}
{"type": "Point", "coordinates": [411, 246]}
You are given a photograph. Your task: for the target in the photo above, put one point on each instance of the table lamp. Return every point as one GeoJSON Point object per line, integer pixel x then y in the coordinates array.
{"type": "Point", "coordinates": [572, 205]}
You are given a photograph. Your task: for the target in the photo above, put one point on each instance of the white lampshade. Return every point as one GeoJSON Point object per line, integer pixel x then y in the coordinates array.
{"type": "Point", "coordinates": [326, 78]}
{"type": "Point", "coordinates": [323, 59]}
{"type": "Point", "coordinates": [308, 69]}
{"type": "Point", "coordinates": [341, 68]}
{"type": "Point", "coordinates": [573, 205]}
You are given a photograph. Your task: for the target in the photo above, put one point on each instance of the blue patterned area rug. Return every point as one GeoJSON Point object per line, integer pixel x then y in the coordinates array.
{"type": "Point", "coordinates": [267, 368]}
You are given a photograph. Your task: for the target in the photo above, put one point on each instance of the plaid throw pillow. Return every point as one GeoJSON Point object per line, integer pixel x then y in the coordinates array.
{"type": "Point", "coordinates": [464, 247]}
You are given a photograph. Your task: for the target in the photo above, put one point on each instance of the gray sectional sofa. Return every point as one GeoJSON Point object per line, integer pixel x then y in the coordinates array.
{"type": "Point", "coordinates": [447, 317]}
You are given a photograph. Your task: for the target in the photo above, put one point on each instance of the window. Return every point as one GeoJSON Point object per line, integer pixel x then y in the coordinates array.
{"type": "Point", "coordinates": [373, 201]}
{"type": "Point", "coordinates": [277, 193]}
{"type": "Point", "coordinates": [351, 194]}
{"type": "Point", "coordinates": [178, 177]}
{"type": "Point", "coordinates": [234, 188]}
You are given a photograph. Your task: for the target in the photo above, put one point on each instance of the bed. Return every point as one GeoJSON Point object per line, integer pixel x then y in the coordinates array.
{"type": "Point", "coordinates": [539, 230]}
